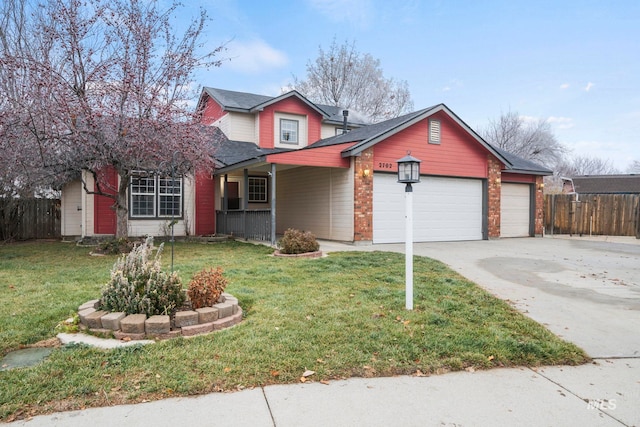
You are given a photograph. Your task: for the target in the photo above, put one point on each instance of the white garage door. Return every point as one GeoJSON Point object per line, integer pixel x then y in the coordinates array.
{"type": "Point", "coordinates": [515, 208]}
{"type": "Point", "coordinates": [444, 209]}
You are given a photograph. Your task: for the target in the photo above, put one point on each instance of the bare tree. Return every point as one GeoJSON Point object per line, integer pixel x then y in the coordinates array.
{"type": "Point", "coordinates": [102, 84]}
{"type": "Point", "coordinates": [343, 77]}
{"type": "Point", "coordinates": [531, 140]}
{"type": "Point", "coordinates": [585, 165]}
{"type": "Point", "coordinates": [634, 167]}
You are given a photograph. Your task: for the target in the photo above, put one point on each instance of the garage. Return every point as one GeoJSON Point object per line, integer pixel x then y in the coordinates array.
{"type": "Point", "coordinates": [515, 210]}
{"type": "Point", "coordinates": [444, 209]}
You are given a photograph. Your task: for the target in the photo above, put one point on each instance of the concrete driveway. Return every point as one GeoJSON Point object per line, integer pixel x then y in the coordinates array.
{"type": "Point", "coordinates": [585, 290]}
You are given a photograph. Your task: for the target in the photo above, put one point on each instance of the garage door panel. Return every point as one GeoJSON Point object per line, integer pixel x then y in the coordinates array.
{"type": "Point", "coordinates": [515, 210]}
{"type": "Point", "coordinates": [444, 209]}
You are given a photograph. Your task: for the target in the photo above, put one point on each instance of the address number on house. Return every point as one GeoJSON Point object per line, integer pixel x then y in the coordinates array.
{"type": "Point", "coordinates": [384, 165]}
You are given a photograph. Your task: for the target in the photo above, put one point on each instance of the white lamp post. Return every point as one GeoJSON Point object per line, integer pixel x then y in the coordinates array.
{"type": "Point", "coordinates": [408, 173]}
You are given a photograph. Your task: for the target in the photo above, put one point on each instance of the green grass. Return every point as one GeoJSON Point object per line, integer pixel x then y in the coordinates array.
{"type": "Point", "coordinates": [340, 316]}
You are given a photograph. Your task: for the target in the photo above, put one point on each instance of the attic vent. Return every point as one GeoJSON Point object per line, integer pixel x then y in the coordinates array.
{"type": "Point", "coordinates": [434, 131]}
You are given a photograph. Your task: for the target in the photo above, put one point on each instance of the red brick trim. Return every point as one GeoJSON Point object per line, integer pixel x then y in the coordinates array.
{"type": "Point", "coordinates": [363, 197]}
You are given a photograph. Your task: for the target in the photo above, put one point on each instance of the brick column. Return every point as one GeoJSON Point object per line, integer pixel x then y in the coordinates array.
{"type": "Point", "coordinates": [539, 212]}
{"type": "Point", "coordinates": [493, 202]}
{"type": "Point", "coordinates": [363, 198]}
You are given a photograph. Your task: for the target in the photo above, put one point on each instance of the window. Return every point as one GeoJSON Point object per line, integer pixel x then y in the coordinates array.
{"type": "Point", "coordinates": [257, 190]}
{"type": "Point", "coordinates": [340, 131]}
{"type": "Point", "coordinates": [143, 199]}
{"type": "Point", "coordinates": [288, 131]}
{"type": "Point", "coordinates": [169, 197]}
{"type": "Point", "coordinates": [155, 197]}
{"type": "Point", "coordinates": [434, 131]}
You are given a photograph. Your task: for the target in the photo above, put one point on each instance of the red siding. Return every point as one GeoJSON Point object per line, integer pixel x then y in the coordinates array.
{"type": "Point", "coordinates": [212, 111]}
{"type": "Point", "coordinates": [104, 215]}
{"type": "Point", "coordinates": [458, 153]}
{"type": "Point", "coordinates": [323, 156]}
{"type": "Point", "coordinates": [205, 204]}
{"type": "Point", "coordinates": [291, 105]}
{"type": "Point", "coordinates": [516, 177]}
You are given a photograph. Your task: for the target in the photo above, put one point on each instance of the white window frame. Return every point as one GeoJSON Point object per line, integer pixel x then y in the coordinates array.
{"type": "Point", "coordinates": [264, 183]}
{"type": "Point", "coordinates": [285, 130]}
{"type": "Point", "coordinates": [155, 196]}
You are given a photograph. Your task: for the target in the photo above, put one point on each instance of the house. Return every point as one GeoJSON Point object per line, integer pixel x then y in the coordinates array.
{"type": "Point", "coordinates": [285, 162]}
{"type": "Point", "coordinates": [602, 184]}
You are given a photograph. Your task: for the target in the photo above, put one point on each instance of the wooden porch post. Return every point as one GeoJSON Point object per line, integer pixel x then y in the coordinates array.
{"type": "Point", "coordinates": [273, 204]}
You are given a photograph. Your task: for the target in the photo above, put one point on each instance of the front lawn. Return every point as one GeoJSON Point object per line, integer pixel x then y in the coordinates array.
{"type": "Point", "coordinates": [340, 316]}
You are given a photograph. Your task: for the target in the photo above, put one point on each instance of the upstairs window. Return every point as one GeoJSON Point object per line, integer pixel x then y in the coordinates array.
{"type": "Point", "coordinates": [155, 197]}
{"type": "Point", "coordinates": [434, 131]}
{"type": "Point", "coordinates": [288, 131]}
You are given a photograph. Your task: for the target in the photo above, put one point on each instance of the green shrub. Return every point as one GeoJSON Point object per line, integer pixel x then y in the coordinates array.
{"type": "Point", "coordinates": [138, 284]}
{"type": "Point", "coordinates": [298, 242]}
{"type": "Point", "coordinates": [206, 287]}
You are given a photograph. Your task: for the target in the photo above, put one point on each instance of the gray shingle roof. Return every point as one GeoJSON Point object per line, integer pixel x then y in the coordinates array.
{"type": "Point", "coordinates": [518, 164]}
{"type": "Point", "coordinates": [243, 101]}
{"type": "Point", "coordinates": [607, 184]}
{"type": "Point", "coordinates": [236, 100]}
{"type": "Point", "coordinates": [368, 132]}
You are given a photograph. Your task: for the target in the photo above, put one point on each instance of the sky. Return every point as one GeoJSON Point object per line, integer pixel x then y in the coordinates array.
{"type": "Point", "coordinates": [573, 63]}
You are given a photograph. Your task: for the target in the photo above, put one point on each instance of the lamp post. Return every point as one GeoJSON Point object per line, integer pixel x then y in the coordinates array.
{"type": "Point", "coordinates": [408, 173]}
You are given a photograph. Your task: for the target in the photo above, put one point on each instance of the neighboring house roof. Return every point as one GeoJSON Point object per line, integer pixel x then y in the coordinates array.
{"type": "Point", "coordinates": [607, 184]}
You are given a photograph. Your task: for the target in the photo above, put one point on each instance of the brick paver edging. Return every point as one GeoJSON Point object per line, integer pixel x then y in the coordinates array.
{"type": "Point", "coordinates": [316, 254]}
{"type": "Point", "coordinates": [225, 313]}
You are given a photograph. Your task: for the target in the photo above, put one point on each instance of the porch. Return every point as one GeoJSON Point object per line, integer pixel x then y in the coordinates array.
{"type": "Point", "coordinates": [254, 224]}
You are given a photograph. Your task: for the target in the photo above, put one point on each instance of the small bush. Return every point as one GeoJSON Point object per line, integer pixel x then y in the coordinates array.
{"type": "Point", "coordinates": [206, 287]}
{"type": "Point", "coordinates": [138, 284]}
{"type": "Point", "coordinates": [116, 246]}
{"type": "Point", "coordinates": [298, 242]}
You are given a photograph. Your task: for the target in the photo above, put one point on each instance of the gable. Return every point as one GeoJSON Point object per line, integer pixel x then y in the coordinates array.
{"type": "Point", "coordinates": [457, 154]}
{"type": "Point", "coordinates": [211, 111]}
{"type": "Point", "coordinates": [291, 108]}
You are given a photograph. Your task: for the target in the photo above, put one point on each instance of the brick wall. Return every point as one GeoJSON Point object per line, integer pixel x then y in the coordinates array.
{"type": "Point", "coordinates": [494, 184]}
{"type": "Point", "coordinates": [363, 197]}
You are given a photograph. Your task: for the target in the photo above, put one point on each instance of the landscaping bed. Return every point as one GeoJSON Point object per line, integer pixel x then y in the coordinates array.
{"type": "Point", "coordinates": [339, 316]}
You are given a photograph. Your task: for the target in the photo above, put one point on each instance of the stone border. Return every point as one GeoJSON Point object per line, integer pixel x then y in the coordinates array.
{"type": "Point", "coordinates": [316, 254]}
{"type": "Point", "coordinates": [224, 314]}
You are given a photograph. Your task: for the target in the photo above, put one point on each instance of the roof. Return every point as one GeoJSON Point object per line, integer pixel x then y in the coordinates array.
{"type": "Point", "coordinates": [250, 102]}
{"type": "Point", "coordinates": [364, 136]}
{"type": "Point", "coordinates": [607, 184]}
{"type": "Point", "coordinates": [520, 165]}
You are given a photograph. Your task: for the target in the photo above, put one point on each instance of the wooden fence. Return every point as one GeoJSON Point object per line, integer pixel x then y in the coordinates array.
{"type": "Point", "coordinates": [25, 219]}
{"type": "Point", "coordinates": [592, 214]}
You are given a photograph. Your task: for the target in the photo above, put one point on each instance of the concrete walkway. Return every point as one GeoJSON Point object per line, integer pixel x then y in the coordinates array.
{"type": "Point", "coordinates": [586, 290]}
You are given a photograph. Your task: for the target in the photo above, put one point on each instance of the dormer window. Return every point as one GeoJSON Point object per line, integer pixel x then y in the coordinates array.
{"type": "Point", "coordinates": [289, 131]}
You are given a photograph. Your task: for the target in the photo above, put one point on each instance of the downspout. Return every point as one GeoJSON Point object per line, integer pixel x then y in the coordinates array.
{"type": "Point", "coordinates": [273, 204]}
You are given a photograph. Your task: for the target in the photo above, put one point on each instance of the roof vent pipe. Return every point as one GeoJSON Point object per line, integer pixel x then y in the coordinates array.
{"type": "Point", "coordinates": [345, 114]}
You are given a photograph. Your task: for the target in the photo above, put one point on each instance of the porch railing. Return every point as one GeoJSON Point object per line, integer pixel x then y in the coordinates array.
{"type": "Point", "coordinates": [248, 224]}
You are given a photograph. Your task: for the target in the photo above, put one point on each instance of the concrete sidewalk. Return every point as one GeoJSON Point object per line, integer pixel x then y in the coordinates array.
{"type": "Point", "coordinates": [586, 290]}
{"type": "Point", "coordinates": [555, 396]}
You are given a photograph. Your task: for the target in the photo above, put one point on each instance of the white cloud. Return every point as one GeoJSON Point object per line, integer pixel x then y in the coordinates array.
{"type": "Point", "coordinates": [564, 86]}
{"type": "Point", "coordinates": [356, 12]}
{"type": "Point", "coordinates": [588, 86]}
{"type": "Point", "coordinates": [453, 84]}
{"type": "Point", "coordinates": [561, 122]}
{"type": "Point", "coordinates": [254, 56]}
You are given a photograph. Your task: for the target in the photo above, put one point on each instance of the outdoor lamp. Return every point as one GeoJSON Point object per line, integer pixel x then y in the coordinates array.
{"type": "Point", "coordinates": [408, 169]}
{"type": "Point", "coordinates": [408, 173]}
